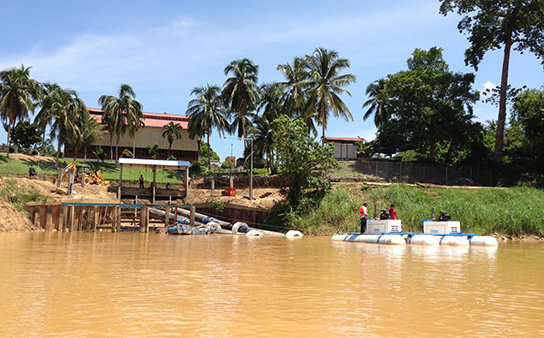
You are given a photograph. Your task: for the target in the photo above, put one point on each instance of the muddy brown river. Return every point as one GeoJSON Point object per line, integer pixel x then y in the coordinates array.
{"type": "Point", "coordinates": [149, 285]}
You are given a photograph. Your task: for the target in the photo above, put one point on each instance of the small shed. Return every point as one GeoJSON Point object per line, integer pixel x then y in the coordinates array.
{"type": "Point", "coordinates": [345, 148]}
{"type": "Point", "coordinates": [154, 165]}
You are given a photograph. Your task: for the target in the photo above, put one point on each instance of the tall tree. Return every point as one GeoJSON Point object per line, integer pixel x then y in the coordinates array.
{"type": "Point", "coordinates": [493, 24]}
{"type": "Point", "coordinates": [25, 134]}
{"type": "Point", "coordinates": [171, 132]}
{"type": "Point", "coordinates": [241, 93]}
{"type": "Point", "coordinates": [529, 111]}
{"type": "Point", "coordinates": [91, 131]}
{"type": "Point", "coordinates": [206, 112]}
{"type": "Point", "coordinates": [121, 114]}
{"type": "Point", "coordinates": [326, 84]}
{"type": "Point", "coordinates": [295, 88]}
{"type": "Point", "coordinates": [17, 95]}
{"type": "Point", "coordinates": [299, 156]}
{"type": "Point", "coordinates": [61, 108]}
{"type": "Point", "coordinates": [427, 105]}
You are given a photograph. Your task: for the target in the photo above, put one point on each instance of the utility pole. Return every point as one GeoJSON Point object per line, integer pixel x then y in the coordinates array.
{"type": "Point", "coordinates": [251, 160]}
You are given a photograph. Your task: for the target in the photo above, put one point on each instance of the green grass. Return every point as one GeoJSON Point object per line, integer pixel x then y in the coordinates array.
{"type": "Point", "coordinates": [110, 171]}
{"type": "Point", "coordinates": [18, 196]}
{"type": "Point", "coordinates": [513, 211]}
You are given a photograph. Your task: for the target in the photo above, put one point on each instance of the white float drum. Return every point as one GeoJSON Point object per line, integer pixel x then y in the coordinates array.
{"type": "Point", "coordinates": [293, 234]}
{"type": "Point", "coordinates": [455, 240]}
{"type": "Point", "coordinates": [392, 239]}
{"type": "Point", "coordinates": [425, 240]}
{"type": "Point", "coordinates": [484, 240]}
{"type": "Point", "coordinates": [254, 233]}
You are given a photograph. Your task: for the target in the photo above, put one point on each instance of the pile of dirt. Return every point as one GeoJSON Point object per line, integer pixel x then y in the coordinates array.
{"type": "Point", "coordinates": [14, 220]}
{"type": "Point", "coordinates": [262, 197]}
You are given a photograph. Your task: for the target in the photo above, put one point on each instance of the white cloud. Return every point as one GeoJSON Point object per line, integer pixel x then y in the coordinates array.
{"type": "Point", "coordinates": [489, 85]}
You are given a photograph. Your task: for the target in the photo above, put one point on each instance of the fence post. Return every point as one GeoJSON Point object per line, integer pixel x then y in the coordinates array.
{"type": "Point", "coordinates": [71, 216]}
{"type": "Point", "coordinates": [167, 217]}
{"type": "Point", "coordinates": [192, 216]}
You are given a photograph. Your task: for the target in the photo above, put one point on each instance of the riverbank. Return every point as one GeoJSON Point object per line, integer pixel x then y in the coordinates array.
{"type": "Point", "coordinates": [511, 213]}
{"type": "Point", "coordinates": [508, 213]}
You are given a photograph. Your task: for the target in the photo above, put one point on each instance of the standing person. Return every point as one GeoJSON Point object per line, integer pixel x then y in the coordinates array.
{"type": "Point", "coordinates": [363, 214]}
{"type": "Point", "coordinates": [392, 211]}
{"type": "Point", "coordinates": [31, 171]}
{"type": "Point", "coordinates": [141, 181]}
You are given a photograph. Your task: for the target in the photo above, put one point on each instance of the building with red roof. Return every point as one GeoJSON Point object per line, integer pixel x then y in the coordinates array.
{"type": "Point", "coordinates": [185, 148]}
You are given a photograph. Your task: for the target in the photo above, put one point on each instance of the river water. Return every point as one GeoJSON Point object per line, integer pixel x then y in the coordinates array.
{"type": "Point", "coordinates": [150, 285]}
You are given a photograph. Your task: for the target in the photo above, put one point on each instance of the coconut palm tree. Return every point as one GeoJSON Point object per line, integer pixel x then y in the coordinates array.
{"type": "Point", "coordinates": [207, 112]}
{"type": "Point", "coordinates": [296, 78]}
{"type": "Point", "coordinates": [261, 132]}
{"type": "Point", "coordinates": [271, 102]}
{"type": "Point", "coordinates": [61, 108]}
{"type": "Point", "coordinates": [91, 131]}
{"type": "Point", "coordinates": [171, 132]}
{"type": "Point", "coordinates": [375, 103]}
{"type": "Point", "coordinates": [121, 114]}
{"type": "Point", "coordinates": [325, 85]}
{"type": "Point", "coordinates": [17, 95]}
{"type": "Point", "coordinates": [241, 93]}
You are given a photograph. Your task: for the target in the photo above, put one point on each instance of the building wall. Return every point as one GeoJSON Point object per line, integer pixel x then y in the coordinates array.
{"type": "Point", "coordinates": [185, 148]}
{"type": "Point", "coordinates": [345, 151]}
{"type": "Point", "coordinates": [152, 136]}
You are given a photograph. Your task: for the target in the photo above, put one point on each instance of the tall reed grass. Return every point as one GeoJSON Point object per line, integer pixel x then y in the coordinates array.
{"type": "Point", "coordinates": [496, 211]}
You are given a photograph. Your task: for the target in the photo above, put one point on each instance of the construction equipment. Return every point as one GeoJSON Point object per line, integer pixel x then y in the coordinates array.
{"type": "Point", "coordinates": [87, 176]}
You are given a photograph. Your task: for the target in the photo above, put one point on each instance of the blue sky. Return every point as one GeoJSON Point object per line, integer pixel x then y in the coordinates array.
{"type": "Point", "coordinates": [163, 49]}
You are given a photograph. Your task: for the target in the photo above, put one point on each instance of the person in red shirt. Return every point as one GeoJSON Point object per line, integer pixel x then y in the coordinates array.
{"type": "Point", "coordinates": [363, 214]}
{"type": "Point", "coordinates": [392, 211]}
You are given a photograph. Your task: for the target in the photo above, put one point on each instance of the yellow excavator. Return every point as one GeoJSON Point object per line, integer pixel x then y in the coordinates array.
{"type": "Point", "coordinates": [88, 176]}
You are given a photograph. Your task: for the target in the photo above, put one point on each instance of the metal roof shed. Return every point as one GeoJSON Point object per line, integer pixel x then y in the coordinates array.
{"type": "Point", "coordinates": [153, 164]}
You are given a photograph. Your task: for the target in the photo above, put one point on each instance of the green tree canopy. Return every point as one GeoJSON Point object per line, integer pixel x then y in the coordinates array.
{"type": "Point", "coordinates": [121, 114]}
{"type": "Point", "coordinates": [207, 112]}
{"type": "Point", "coordinates": [495, 24]}
{"type": "Point", "coordinates": [299, 156]}
{"type": "Point", "coordinates": [241, 93]}
{"type": "Point", "coordinates": [528, 109]}
{"type": "Point", "coordinates": [18, 93]}
{"type": "Point", "coordinates": [325, 84]}
{"type": "Point", "coordinates": [62, 109]}
{"type": "Point", "coordinates": [26, 134]}
{"type": "Point", "coordinates": [427, 105]}
{"type": "Point", "coordinates": [172, 132]}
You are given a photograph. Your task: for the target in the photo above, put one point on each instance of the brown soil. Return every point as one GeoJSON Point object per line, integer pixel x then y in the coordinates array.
{"type": "Point", "coordinates": [13, 220]}
{"type": "Point", "coordinates": [36, 158]}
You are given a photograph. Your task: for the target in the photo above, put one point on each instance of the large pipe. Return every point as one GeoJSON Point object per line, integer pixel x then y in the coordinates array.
{"type": "Point", "coordinates": [204, 218]}
{"type": "Point", "coordinates": [173, 218]}
{"type": "Point", "coordinates": [237, 227]}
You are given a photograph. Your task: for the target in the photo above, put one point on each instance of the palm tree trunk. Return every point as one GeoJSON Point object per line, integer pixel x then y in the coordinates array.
{"type": "Point", "coordinates": [322, 107]}
{"type": "Point", "coordinates": [111, 147]}
{"type": "Point", "coordinates": [209, 152]}
{"type": "Point", "coordinates": [8, 141]}
{"type": "Point", "coordinates": [499, 141]}
{"type": "Point", "coordinates": [61, 127]}
{"type": "Point", "coordinates": [117, 149]}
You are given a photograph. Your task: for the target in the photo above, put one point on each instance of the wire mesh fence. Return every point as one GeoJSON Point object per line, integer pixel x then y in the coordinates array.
{"type": "Point", "coordinates": [425, 173]}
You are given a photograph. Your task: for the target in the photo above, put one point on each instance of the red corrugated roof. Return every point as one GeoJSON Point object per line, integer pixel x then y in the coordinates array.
{"type": "Point", "coordinates": [345, 139]}
{"type": "Point", "coordinates": [153, 120]}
